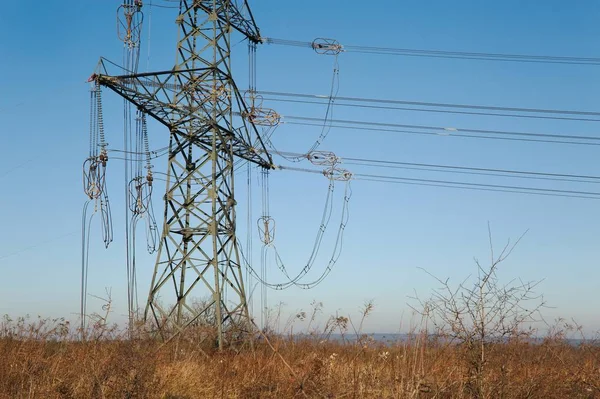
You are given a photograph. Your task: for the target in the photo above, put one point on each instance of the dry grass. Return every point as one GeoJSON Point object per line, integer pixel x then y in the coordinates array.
{"type": "Point", "coordinates": [40, 359]}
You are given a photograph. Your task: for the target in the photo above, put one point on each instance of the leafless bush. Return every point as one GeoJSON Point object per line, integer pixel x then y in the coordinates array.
{"type": "Point", "coordinates": [482, 311]}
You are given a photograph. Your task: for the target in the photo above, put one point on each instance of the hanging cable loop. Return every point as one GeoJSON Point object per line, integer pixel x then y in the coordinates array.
{"type": "Point", "coordinates": [297, 280]}
{"type": "Point", "coordinates": [327, 121]}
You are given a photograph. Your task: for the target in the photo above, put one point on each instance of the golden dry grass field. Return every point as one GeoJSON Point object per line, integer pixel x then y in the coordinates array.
{"type": "Point", "coordinates": [43, 359]}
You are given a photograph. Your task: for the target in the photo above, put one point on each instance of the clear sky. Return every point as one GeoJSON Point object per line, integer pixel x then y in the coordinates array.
{"type": "Point", "coordinates": [50, 49]}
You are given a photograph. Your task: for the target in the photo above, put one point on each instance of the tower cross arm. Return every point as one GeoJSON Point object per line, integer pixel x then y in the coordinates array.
{"type": "Point", "coordinates": [156, 94]}
{"type": "Point", "coordinates": [246, 25]}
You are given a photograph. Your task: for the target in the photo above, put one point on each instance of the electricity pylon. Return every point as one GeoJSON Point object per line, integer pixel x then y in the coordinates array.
{"type": "Point", "coordinates": [196, 101]}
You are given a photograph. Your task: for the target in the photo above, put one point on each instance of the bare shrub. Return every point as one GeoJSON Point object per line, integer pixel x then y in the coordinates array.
{"type": "Point", "coordinates": [481, 312]}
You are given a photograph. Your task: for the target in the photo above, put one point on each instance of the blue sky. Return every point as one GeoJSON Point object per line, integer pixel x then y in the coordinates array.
{"type": "Point", "coordinates": [394, 230]}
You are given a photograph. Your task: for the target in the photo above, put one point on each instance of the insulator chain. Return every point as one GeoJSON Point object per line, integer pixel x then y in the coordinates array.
{"type": "Point", "coordinates": [147, 150]}
{"type": "Point", "coordinates": [140, 188]}
{"type": "Point", "coordinates": [94, 167]}
{"type": "Point", "coordinates": [256, 113]}
{"type": "Point", "coordinates": [100, 120]}
{"type": "Point", "coordinates": [141, 193]}
{"type": "Point", "coordinates": [327, 46]}
{"type": "Point", "coordinates": [266, 229]}
{"type": "Point", "coordinates": [129, 23]}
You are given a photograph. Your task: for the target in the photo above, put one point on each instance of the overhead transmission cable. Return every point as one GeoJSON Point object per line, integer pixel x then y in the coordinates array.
{"type": "Point", "coordinates": [573, 178]}
{"type": "Point", "coordinates": [267, 236]}
{"type": "Point", "coordinates": [408, 52]}
{"type": "Point", "coordinates": [473, 170]}
{"type": "Point", "coordinates": [388, 104]}
{"type": "Point", "coordinates": [461, 185]}
{"type": "Point", "coordinates": [449, 131]}
{"type": "Point", "coordinates": [379, 163]}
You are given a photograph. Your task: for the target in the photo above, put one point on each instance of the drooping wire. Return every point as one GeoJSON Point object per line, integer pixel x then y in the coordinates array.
{"type": "Point", "coordinates": [266, 227]}
{"type": "Point", "coordinates": [325, 219]}
{"type": "Point", "coordinates": [140, 204]}
{"type": "Point", "coordinates": [129, 30]}
{"type": "Point", "coordinates": [94, 167]}
{"type": "Point", "coordinates": [142, 197]}
{"type": "Point", "coordinates": [141, 185]}
{"type": "Point", "coordinates": [85, 262]}
{"type": "Point", "coordinates": [262, 275]}
{"type": "Point", "coordinates": [295, 281]}
{"type": "Point", "coordinates": [339, 243]}
{"type": "Point", "coordinates": [249, 225]}
{"type": "Point", "coordinates": [263, 259]}
{"type": "Point", "coordinates": [129, 164]}
{"type": "Point", "coordinates": [328, 119]}
{"type": "Point", "coordinates": [333, 92]}
{"type": "Point", "coordinates": [94, 186]}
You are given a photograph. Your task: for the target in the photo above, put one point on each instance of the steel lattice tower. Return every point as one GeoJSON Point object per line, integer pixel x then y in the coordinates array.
{"type": "Point", "coordinates": [200, 104]}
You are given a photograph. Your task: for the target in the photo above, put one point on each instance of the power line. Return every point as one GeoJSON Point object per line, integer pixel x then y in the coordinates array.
{"type": "Point", "coordinates": [452, 131]}
{"type": "Point", "coordinates": [466, 172]}
{"type": "Point", "coordinates": [355, 102]}
{"type": "Point", "coordinates": [511, 173]}
{"type": "Point", "coordinates": [436, 104]}
{"type": "Point", "coordinates": [375, 129]}
{"type": "Point", "coordinates": [505, 57]}
{"type": "Point", "coordinates": [496, 186]}
{"type": "Point", "coordinates": [476, 188]}
{"type": "Point", "coordinates": [449, 130]}
{"type": "Point", "coordinates": [453, 168]}
{"type": "Point", "coordinates": [341, 104]}
{"type": "Point", "coordinates": [462, 185]}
